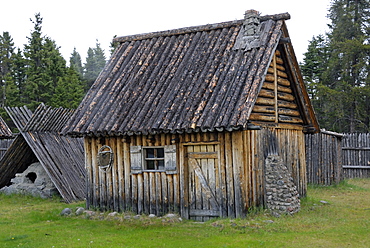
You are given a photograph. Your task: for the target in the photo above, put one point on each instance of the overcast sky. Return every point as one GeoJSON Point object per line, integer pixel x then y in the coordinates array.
{"type": "Point", "coordinates": [79, 23]}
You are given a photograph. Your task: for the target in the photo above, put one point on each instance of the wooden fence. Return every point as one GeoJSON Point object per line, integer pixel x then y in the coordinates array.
{"type": "Point", "coordinates": [323, 158]}
{"type": "Point", "coordinates": [331, 157]}
{"type": "Point", "coordinates": [356, 155]}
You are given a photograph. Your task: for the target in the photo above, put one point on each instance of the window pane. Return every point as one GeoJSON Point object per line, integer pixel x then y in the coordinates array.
{"type": "Point", "coordinates": [150, 165]}
{"type": "Point", "coordinates": [160, 152]}
{"type": "Point", "coordinates": [150, 153]}
{"type": "Point", "coordinates": [160, 164]}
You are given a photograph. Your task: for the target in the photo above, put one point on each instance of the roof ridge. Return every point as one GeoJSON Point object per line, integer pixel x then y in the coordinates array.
{"type": "Point", "coordinates": [200, 28]}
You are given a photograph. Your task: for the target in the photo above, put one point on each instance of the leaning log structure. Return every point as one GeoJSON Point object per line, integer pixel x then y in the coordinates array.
{"type": "Point", "coordinates": [6, 137]}
{"type": "Point", "coordinates": [40, 140]}
{"type": "Point", "coordinates": [186, 118]}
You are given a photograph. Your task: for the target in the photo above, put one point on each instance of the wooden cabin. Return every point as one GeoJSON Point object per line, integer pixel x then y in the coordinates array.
{"type": "Point", "coordinates": [183, 120]}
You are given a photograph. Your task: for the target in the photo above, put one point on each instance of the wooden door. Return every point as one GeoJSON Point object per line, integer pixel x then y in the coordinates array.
{"type": "Point", "coordinates": [203, 181]}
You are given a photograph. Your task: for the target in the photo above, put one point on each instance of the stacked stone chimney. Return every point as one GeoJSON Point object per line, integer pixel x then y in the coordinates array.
{"type": "Point", "coordinates": [248, 36]}
{"type": "Point", "coordinates": [251, 22]}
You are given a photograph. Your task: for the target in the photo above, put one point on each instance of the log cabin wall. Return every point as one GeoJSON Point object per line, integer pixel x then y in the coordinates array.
{"type": "Point", "coordinates": [231, 166]}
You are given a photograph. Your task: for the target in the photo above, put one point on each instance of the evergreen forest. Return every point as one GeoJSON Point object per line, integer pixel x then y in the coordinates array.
{"type": "Point", "coordinates": [335, 69]}
{"type": "Point", "coordinates": [39, 74]}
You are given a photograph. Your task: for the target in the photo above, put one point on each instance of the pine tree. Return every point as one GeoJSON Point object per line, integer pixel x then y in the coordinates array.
{"type": "Point", "coordinates": [315, 63]}
{"type": "Point", "coordinates": [95, 63]}
{"type": "Point", "coordinates": [341, 92]}
{"type": "Point", "coordinates": [18, 97]}
{"type": "Point", "coordinates": [45, 67]}
{"type": "Point", "coordinates": [69, 90]}
{"type": "Point", "coordinates": [113, 45]}
{"type": "Point", "coordinates": [75, 62]}
{"type": "Point", "coordinates": [6, 64]}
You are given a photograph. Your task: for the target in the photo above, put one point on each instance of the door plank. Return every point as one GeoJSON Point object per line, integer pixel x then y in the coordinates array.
{"type": "Point", "coordinates": [207, 190]}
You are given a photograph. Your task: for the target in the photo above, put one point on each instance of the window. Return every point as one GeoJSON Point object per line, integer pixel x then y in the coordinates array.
{"type": "Point", "coordinates": [153, 158]}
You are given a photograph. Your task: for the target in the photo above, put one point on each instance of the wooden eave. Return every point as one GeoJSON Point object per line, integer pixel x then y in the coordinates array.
{"type": "Point", "coordinates": [304, 102]}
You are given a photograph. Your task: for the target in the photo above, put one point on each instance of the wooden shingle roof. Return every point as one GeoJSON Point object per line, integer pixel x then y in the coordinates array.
{"type": "Point", "coordinates": [203, 78]}
{"type": "Point", "coordinates": [62, 157]}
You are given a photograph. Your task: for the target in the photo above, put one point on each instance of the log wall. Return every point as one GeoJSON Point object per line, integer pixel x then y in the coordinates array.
{"type": "Point", "coordinates": [236, 180]}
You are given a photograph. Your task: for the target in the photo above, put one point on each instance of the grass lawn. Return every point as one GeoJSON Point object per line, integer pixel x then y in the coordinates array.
{"type": "Point", "coordinates": [335, 216]}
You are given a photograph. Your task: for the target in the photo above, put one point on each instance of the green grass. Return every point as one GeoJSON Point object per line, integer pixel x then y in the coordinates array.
{"type": "Point", "coordinates": [343, 221]}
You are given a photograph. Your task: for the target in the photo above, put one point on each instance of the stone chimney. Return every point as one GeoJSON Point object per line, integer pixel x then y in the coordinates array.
{"type": "Point", "coordinates": [248, 37]}
{"type": "Point", "coordinates": [251, 22]}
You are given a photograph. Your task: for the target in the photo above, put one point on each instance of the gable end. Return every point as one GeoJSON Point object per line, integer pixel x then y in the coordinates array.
{"type": "Point", "coordinates": [277, 102]}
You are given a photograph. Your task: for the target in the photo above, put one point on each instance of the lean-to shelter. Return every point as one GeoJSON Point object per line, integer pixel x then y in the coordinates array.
{"type": "Point", "coordinates": [39, 140]}
{"type": "Point", "coordinates": [183, 120]}
{"type": "Point", "coordinates": [6, 137]}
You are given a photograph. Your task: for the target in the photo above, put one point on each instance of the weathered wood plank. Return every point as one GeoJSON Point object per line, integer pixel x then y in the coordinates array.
{"type": "Point", "coordinates": [146, 192]}
{"type": "Point", "coordinates": [127, 174]}
{"type": "Point", "coordinates": [206, 189]}
{"type": "Point", "coordinates": [140, 194]}
{"type": "Point", "coordinates": [203, 155]}
{"type": "Point", "coordinates": [199, 213]}
{"type": "Point", "coordinates": [120, 175]}
{"type": "Point", "coordinates": [229, 176]}
{"type": "Point", "coordinates": [237, 156]}
{"type": "Point", "coordinates": [271, 86]}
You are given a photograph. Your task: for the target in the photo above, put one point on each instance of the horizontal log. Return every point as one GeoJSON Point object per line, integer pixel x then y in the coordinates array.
{"type": "Point", "coordinates": [279, 73]}
{"type": "Point", "coordinates": [285, 96]}
{"type": "Point", "coordinates": [263, 109]}
{"type": "Point", "coordinates": [281, 81]}
{"type": "Point", "coordinates": [266, 93]}
{"type": "Point", "coordinates": [262, 117]}
{"type": "Point", "coordinates": [204, 212]}
{"type": "Point", "coordinates": [357, 148]}
{"type": "Point", "coordinates": [285, 104]}
{"type": "Point", "coordinates": [356, 167]}
{"type": "Point", "coordinates": [271, 102]}
{"type": "Point", "coordinates": [290, 119]}
{"type": "Point", "coordinates": [271, 110]}
{"type": "Point", "coordinates": [290, 112]}
{"type": "Point", "coordinates": [279, 61]}
{"type": "Point", "coordinates": [271, 86]}
{"type": "Point", "coordinates": [280, 67]}
{"type": "Point", "coordinates": [264, 101]}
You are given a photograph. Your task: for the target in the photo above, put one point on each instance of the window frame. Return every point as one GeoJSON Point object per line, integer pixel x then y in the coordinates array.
{"type": "Point", "coordinates": [138, 160]}
{"type": "Point", "coordinates": [145, 159]}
